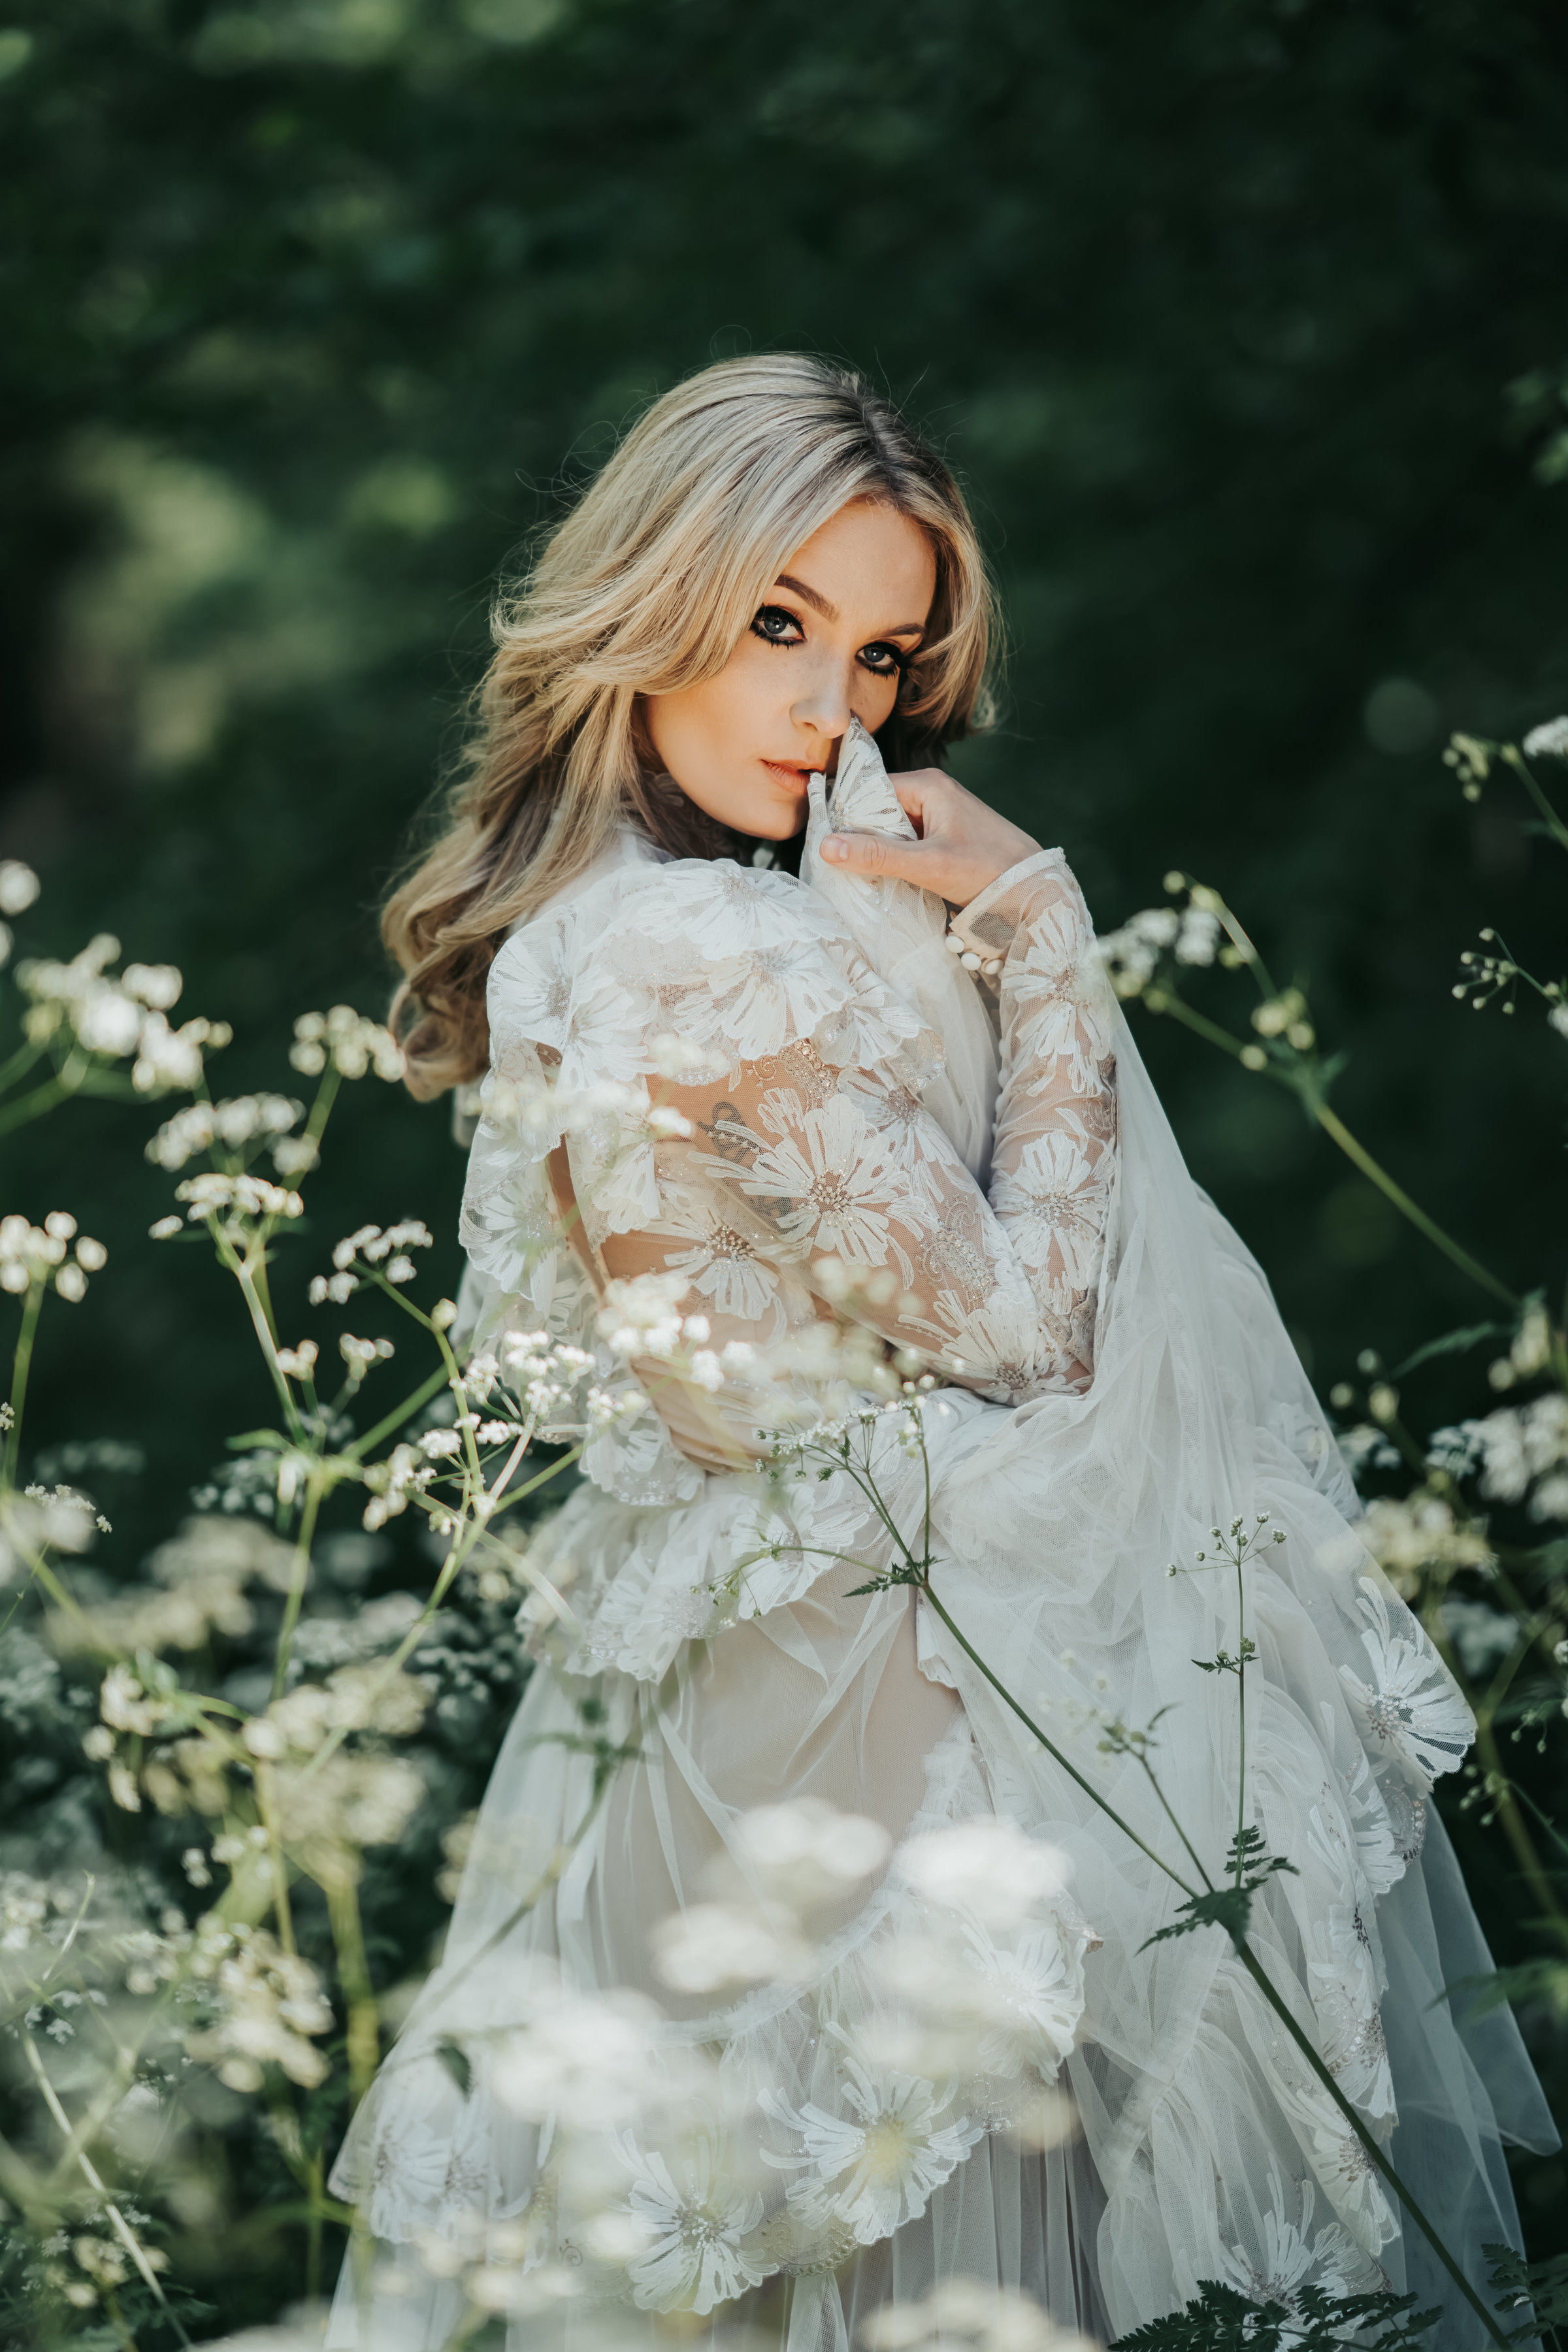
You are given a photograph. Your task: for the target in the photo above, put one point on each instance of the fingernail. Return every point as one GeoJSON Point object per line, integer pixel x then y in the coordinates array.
{"type": "Point", "coordinates": [836, 847]}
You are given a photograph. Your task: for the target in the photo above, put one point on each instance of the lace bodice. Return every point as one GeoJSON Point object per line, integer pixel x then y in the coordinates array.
{"type": "Point", "coordinates": [798, 1175]}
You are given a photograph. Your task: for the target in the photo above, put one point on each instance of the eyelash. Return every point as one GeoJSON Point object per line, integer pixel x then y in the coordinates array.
{"type": "Point", "coordinates": [899, 660]}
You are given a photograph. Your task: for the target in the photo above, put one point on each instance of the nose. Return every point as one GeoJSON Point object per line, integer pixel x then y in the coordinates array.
{"type": "Point", "coordinates": [821, 700]}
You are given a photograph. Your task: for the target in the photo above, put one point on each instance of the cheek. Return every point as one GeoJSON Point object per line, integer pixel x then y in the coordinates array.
{"type": "Point", "coordinates": [872, 699]}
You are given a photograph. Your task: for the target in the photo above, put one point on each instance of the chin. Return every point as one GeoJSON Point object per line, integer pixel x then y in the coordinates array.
{"type": "Point", "coordinates": [783, 825]}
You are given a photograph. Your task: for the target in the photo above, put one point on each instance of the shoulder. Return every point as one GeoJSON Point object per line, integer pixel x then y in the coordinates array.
{"type": "Point", "coordinates": [731, 962]}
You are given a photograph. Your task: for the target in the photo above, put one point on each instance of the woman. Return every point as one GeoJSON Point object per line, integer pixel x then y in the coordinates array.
{"type": "Point", "coordinates": [834, 1145]}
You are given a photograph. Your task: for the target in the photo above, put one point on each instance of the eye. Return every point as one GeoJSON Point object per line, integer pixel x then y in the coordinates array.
{"type": "Point", "coordinates": [885, 660]}
{"type": "Point", "coordinates": [773, 623]}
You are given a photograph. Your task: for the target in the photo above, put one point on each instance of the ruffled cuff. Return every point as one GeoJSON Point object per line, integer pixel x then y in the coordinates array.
{"type": "Point", "coordinates": [986, 928]}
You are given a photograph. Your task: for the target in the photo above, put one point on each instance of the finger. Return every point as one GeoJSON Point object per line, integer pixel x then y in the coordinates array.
{"type": "Point", "coordinates": [876, 853]}
{"type": "Point", "coordinates": [912, 799]}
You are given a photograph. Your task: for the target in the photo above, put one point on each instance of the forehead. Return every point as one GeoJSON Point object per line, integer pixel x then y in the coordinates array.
{"type": "Point", "coordinates": [869, 552]}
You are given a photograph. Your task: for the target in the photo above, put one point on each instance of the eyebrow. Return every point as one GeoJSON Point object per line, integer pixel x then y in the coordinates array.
{"type": "Point", "coordinates": [830, 612]}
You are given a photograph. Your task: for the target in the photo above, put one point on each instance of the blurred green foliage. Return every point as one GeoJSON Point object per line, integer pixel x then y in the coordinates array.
{"type": "Point", "coordinates": [1242, 320]}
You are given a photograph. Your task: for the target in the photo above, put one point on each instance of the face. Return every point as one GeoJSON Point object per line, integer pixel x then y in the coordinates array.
{"type": "Point", "coordinates": [830, 643]}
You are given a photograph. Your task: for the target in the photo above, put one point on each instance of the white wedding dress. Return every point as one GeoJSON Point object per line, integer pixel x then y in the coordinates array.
{"type": "Point", "coordinates": [1000, 1179]}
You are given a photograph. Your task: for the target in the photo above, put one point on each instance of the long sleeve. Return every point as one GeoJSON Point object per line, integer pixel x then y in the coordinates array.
{"type": "Point", "coordinates": [800, 1185]}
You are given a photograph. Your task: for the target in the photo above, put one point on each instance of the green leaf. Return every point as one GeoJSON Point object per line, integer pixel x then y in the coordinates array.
{"type": "Point", "coordinates": [1451, 1343]}
{"type": "Point", "coordinates": [1541, 1980]}
{"type": "Point", "coordinates": [1222, 2319]}
{"type": "Point", "coordinates": [458, 2065]}
{"type": "Point", "coordinates": [1542, 2287]}
{"type": "Point", "coordinates": [1229, 1907]}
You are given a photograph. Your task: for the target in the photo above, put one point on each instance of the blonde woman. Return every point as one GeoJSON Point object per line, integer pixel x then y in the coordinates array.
{"type": "Point", "coordinates": [790, 1975]}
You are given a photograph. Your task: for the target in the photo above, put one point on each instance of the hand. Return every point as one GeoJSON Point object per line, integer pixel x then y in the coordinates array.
{"type": "Point", "coordinates": [963, 847]}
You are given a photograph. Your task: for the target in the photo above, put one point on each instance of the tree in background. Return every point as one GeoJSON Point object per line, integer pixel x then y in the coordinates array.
{"type": "Point", "coordinates": [1242, 323]}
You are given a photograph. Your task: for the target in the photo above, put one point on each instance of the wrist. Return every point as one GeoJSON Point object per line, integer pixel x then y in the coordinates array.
{"type": "Point", "coordinates": [982, 932]}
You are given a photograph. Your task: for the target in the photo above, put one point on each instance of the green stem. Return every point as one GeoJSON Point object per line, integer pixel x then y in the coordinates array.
{"type": "Point", "coordinates": [1164, 1803]}
{"type": "Point", "coordinates": [27, 1107]}
{"type": "Point", "coordinates": [549, 1876]}
{"type": "Point", "coordinates": [298, 1575]}
{"type": "Point", "coordinates": [22, 1059]}
{"type": "Point", "coordinates": [1514, 1830]}
{"type": "Point", "coordinates": [123, 2229]}
{"type": "Point", "coordinates": [262, 1776]}
{"type": "Point", "coordinates": [1554, 824]}
{"type": "Point", "coordinates": [1051, 1749]}
{"type": "Point", "coordinates": [363, 2034]}
{"type": "Point", "coordinates": [1335, 1128]}
{"type": "Point", "coordinates": [1241, 1710]}
{"type": "Point", "coordinates": [21, 1365]}
{"type": "Point", "coordinates": [1257, 1971]}
{"type": "Point", "coordinates": [229, 1256]}
{"type": "Point", "coordinates": [438, 1590]}
{"type": "Point", "coordinates": [398, 1415]}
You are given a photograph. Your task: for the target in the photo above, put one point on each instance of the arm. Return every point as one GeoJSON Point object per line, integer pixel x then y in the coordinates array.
{"type": "Point", "coordinates": [799, 1180]}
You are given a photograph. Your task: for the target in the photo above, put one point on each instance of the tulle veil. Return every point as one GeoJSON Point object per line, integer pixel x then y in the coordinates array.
{"type": "Point", "coordinates": [1207, 2148]}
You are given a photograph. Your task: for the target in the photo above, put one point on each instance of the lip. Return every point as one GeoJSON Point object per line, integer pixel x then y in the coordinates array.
{"type": "Point", "coordinates": [790, 773]}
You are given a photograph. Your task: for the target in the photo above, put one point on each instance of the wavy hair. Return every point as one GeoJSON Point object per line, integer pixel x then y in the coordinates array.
{"type": "Point", "coordinates": [712, 491]}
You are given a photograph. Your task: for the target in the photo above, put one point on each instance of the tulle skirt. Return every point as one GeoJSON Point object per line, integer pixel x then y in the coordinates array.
{"type": "Point", "coordinates": [831, 2166]}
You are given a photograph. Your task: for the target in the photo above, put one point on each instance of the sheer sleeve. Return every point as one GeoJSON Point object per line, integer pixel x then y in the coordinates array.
{"type": "Point", "coordinates": [796, 1188]}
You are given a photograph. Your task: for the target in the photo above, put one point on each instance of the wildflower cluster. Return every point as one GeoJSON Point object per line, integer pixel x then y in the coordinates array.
{"type": "Point", "coordinates": [344, 1040]}
{"type": "Point", "coordinates": [242, 1120]}
{"type": "Point", "coordinates": [229, 1204]}
{"type": "Point", "coordinates": [36, 1256]}
{"type": "Point", "coordinates": [117, 1018]}
{"type": "Point", "coordinates": [1159, 937]}
{"type": "Point", "coordinates": [373, 1250]}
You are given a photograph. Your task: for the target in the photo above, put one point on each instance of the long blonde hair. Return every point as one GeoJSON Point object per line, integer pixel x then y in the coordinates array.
{"type": "Point", "coordinates": [647, 587]}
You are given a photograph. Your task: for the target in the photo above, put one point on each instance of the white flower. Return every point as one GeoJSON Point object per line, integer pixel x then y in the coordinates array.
{"type": "Point", "coordinates": [1411, 1711]}
{"type": "Point", "coordinates": [986, 1867]}
{"type": "Point", "coordinates": [1292, 2255]}
{"type": "Point", "coordinates": [583, 2058]}
{"type": "Point", "coordinates": [1548, 741]}
{"type": "Point", "coordinates": [346, 1039]}
{"type": "Point", "coordinates": [641, 1316]}
{"type": "Point", "coordinates": [991, 2318]}
{"type": "Point", "coordinates": [270, 2002]}
{"type": "Point", "coordinates": [1482, 1635]}
{"type": "Point", "coordinates": [967, 2004]}
{"type": "Point", "coordinates": [992, 1346]}
{"type": "Point", "coordinates": [124, 1704]}
{"type": "Point", "coordinates": [722, 1267]}
{"type": "Point", "coordinates": [721, 908]}
{"type": "Point", "coordinates": [1062, 1006]}
{"type": "Point", "coordinates": [18, 886]}
{"type": "Point", "coordinates": [408, 2176]}
{"type": "Point", "coordinates": [30, 1253]}
{"type": "Point", "coordinates": [876, 2167]}
{"type": "Point", "coordinates": [806, 1855]}
{"type": "Point", "coordinates": [1522, 1444]}
{"type": "Point", "coordinates": [1349, 2177]}
{"type": "Point", "coordinates": [1131, 954]}
{"type": "Point", "coordinates": [833, 1169]}
{"type": "Point", "coordinates": [1198, 937]}
{"type": "Point", "coordinates": [710, 1947]}
{"type": "Point", "coordinates": [1054, 1204]}
{"type": "Point", "coordinates": [781, 990]}
{"type": "Point", "coordinates": [1344, 1994]}
{"type": "Point", "coordinates": [696, 2223]}
{"type": "Point", "coordinates": [110, 1023]}
{"type": "Point", "coordinates": [169, 1057]}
